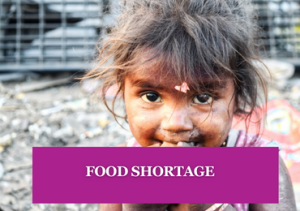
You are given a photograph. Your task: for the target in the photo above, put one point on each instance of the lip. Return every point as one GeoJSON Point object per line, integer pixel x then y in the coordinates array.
{"type": "Point", "coordinates": [174, 139]}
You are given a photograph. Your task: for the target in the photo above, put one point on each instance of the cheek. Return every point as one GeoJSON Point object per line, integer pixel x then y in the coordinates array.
{"type": "Point", "coordinates": [222, 119]}
{"type": "Point", "coordinates": [223, 122]}
{"type": "Point", "coordinates": [214, 126]}
{"type": "Point", "coordinates": [143, 124]}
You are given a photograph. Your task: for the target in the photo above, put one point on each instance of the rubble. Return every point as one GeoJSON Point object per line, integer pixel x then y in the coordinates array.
{"type": "Point", "coordinates": [38, 85]}
{"type": "Point", "coordinates": [47, 111]}
{"type": "Point", "coordinates": [1, 170]}
{"type": "Point", "coordinates": [5, 140]}
{"type": "Point", "coordinates": [93, 132]}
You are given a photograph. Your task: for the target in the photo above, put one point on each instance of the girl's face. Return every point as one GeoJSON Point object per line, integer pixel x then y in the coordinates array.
{"type": "Point", "coordinates": [158, 114]}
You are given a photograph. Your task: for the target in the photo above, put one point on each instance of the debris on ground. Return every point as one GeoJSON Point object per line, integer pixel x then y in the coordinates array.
{"type": "Point", "coordinates": [46, 111]}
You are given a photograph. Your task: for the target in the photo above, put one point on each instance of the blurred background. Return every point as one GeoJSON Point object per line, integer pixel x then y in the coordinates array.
{"type": "Point", "coordinates": [46, 45]}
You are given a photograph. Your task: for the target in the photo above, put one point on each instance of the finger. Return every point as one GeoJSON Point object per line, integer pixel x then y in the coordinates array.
{"type": "Point", "coordinates": [155, 145]}
{"type": "Point", "coordinates": [184, 144]}
{"type": "Point", "coordinates": [168, 144]}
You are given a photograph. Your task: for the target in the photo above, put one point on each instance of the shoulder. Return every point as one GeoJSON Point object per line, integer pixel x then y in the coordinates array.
{"type": "Point", "coordinates": [286, 194]}
{"type": "Point", "coordinates": [132, 143]}
{"type": "Point", "coordinates": [250, 140]}
{"type": "Point", "coordinates": [244, 139]}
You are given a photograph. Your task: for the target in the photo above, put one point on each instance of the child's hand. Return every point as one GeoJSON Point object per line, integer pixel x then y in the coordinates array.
{"type": "Point", "coordinates": [144, 207]}
{"type": "Point", "coordinates": [110, 207]}
{"type": "Point", "coordinates": [185, 144]}
{"type": "Point", "coordinates": [197, 207]}
{"type": "Point", "coordinates": [155, 145]}
{"type": "Point", "coordinates": [179, 144]}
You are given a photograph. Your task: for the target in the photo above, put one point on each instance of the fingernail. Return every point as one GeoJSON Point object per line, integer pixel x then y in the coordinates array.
{"type": "Point", "coordinates": [180, 144]}
{"type": "Point", "coordinates": [156, 145]}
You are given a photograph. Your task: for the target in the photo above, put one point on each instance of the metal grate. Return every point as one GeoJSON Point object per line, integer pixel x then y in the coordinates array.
{"type": "Point", "coordinates": [280, 21]}
{"type": "Point", "coordinates": [51, 34]}
{"type": "Point", "coordinates": [61, 34]}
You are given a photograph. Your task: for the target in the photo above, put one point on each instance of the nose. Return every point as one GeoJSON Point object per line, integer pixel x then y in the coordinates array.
{"type": "Point", "coordinates": [177, 120]}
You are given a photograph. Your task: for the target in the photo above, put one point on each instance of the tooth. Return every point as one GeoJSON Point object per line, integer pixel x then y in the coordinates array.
{"type": "Point", "coordinates": [192, 143]}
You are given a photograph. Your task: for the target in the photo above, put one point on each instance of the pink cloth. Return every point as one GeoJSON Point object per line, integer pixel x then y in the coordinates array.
{"type": "Point", "coordinates": [243, 140]}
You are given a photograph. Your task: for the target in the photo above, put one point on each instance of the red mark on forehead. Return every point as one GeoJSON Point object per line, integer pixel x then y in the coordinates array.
{"type": "Point", "coordinates": [183, 88]}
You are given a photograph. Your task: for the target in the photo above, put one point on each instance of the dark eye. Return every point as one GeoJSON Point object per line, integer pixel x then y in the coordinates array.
{"type": "Point", "coordinates": [202, 99]}
{"type": "Point", "coordinates": [152, 98]}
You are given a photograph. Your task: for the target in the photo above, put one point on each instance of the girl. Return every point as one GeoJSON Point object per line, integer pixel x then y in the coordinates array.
{"type": "Point", "coordinates": [184, 69]}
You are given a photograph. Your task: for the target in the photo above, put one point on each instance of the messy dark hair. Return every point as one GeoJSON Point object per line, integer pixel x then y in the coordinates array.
{"type": "Point", "coordinates": [211, 38]}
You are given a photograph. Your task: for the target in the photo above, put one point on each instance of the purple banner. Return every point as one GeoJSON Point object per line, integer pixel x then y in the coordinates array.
{"type": "Point", "coordinates": [155, 175]}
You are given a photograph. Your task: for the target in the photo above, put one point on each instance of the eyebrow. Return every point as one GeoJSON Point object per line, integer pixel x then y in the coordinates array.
{"type": "Point", "coordinates": [208, 85]}
{"type": "Point", "coordinates": [213, 85]}
{"type": "Point", "coordinates": [147, 84]}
